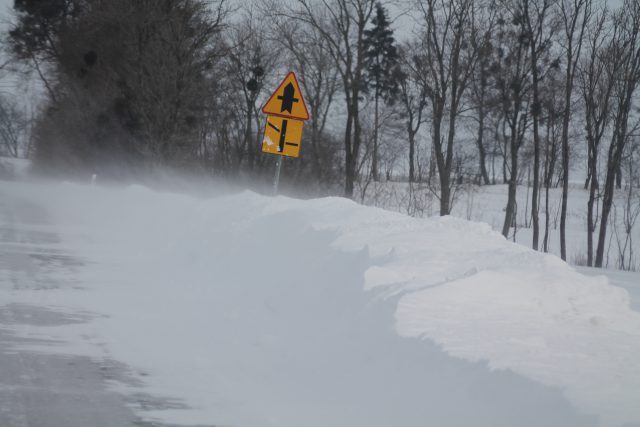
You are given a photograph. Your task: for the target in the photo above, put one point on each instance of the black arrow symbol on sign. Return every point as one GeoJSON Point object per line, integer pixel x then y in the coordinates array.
{"type": "Point", "coordinates": [288, 98]}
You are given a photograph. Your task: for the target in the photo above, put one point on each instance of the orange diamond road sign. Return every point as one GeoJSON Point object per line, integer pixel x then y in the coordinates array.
{"type": "Point", "coordinates": [282, 136]}
{"type": "Point", "coordinates": [287, 100]}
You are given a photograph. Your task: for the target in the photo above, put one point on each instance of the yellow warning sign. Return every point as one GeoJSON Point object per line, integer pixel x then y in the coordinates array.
{"type": "Point", "coordinates": [282, 136]}
{"type": "Point", "coordinates": [287, 100]}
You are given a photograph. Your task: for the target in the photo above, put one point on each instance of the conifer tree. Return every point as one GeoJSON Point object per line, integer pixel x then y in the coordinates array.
{"type": "Point", "coordinates": [381, 59]}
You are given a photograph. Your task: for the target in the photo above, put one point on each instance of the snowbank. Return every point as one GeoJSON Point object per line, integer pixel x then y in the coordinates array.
{"type": "Point", "coordinates": [487, 203]}
{"type": "Point", "coordinates": [265, 311]}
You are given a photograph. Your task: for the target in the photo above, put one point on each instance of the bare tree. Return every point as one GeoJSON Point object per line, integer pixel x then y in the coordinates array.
{"type": "Point", "coordinates": [13, 125]}
{"type": "Point", "coordinates": [552, 105]}
{"type": "Point", "coordinates": [251, 59]}
{"type": "Point", "coordinates": [309, 55]}
{"type": "Point", "coordinates": [625, 46]}
{"type": "Point", "coordinates": [536, 35]}
{"type": "Point", "coordinates": [575, 18]}
{"type": "Point", "coordinates": [512, 74]}
{"type": "Point", "coordinates": [341, 23]}
{"type": "Point", "coordinates": [631, 210]}
{"type": "Point", "coordinates": [448, 43]}
{"type": "Point", "coordinates": [35, 36]}
{"type": "Point", "coordinates": [480, 99]}
{"type": "Point", "coordinates": [413, 98]}
{"type": "Point", "coordinates": [596, 77]}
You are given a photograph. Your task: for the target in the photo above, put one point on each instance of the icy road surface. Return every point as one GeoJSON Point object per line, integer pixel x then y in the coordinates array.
{"type": "Point", "coordinates": [51, 388]}
{"type": "Point", "coordinates": [251, 311]}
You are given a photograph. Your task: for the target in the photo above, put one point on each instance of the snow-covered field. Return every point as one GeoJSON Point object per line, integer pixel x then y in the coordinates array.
{"type": "Point", "coordinates": [487, 203]}
{"type": "Point", "coordinates": [261, 311]}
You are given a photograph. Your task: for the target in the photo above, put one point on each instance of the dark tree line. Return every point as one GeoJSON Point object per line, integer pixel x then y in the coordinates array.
{"type": "Point", "coordinates": [127, 81]}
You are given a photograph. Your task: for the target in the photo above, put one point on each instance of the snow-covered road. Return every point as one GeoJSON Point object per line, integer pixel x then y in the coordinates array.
{"type": "Point", "coordinates": [47, 387]}
{"type": "Point", "coordinates": [252, 311]}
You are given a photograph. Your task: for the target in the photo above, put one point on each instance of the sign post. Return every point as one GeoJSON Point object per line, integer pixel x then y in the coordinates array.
{"type": "Point", "coordinates": [276, 178]}
{"type": "Point", "coordinates": [286, 112]}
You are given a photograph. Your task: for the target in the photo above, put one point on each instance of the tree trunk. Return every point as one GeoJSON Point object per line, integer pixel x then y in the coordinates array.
{"type": "Point", "coordinates": [536, 132]}
{"type": "Point", "coordinates": [513, 181]}
{"type": "Point", "coordinates": [412, 151]}
{"type": "Point", "coordinates": [374, 157]}
{"type": "Point", "coordinates": [511, 208]}
{"type": "Point", "coordinates": [591, 226]}
{"type": "Point", "coordinates": [441, 163]}
{"type": "Point", "coordinates": [432, 165]}
{"type": "Point", "coordinates": [481, 151]}
{"type": "Point", "coordinates": [565, 166]}
{"type": "Point", "coordinates": [350, 166]}
{"type": "Point", "coordinates": [587, 181]}
{"type": "Point", "coordinates": [593, 187]}
{"type": "Point", "coordinates": [568, 87]}
{"type": "Point", "coordinates": [247, 137]}
{"type": "Point", "coordinates": [545, 241]}
{"type": "Point", "coordinates": [548, 154]}
{"type": "Point", "coordinates": [357, 136]}
{"type": "Point", "coordinates": [613, 163]}
{"type": "Point", "coordinates": [536, 178]}
{"type": "Point", "coordinates": [565, 198]}
{"type": "Point", "coordinates": [607, 202]}
{"type": "Point", "coordinates": [552, 166]}
{"type": "Point", "coordinates": [445, 194]}
{"type": "Point", "coordinates": [505, 178]}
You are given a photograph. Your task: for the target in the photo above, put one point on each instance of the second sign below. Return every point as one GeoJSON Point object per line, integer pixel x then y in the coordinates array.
{"type": "Point", "coordinates": [282, 136]}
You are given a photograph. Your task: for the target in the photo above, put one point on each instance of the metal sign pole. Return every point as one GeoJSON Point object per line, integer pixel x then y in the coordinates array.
{"type": "Point", "coordinates": [276, 179]}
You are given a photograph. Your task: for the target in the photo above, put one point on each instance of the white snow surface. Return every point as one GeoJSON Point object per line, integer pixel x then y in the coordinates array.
{"type": "Point", "coordinates": [261, 311]}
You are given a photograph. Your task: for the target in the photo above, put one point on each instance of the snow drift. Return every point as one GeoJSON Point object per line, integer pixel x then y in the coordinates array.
{"type": "Point", "coordinates": [259, 311]}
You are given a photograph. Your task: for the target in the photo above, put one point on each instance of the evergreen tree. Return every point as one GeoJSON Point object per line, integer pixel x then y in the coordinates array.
{"type": "Point", "coordinates": [127, 81]}
{"type": "Point", "coordinates": [381, 59]}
